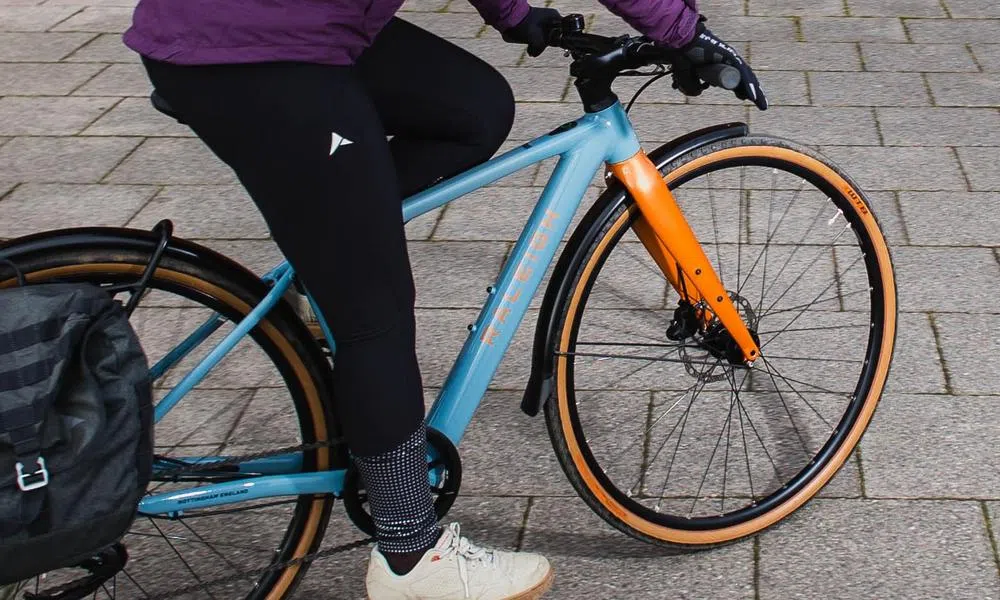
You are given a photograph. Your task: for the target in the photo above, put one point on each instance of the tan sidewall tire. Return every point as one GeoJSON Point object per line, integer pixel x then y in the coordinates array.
{"type": "Point", "coordinates": [628, 520]}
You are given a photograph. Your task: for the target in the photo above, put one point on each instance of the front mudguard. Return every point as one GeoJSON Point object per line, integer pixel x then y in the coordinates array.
{"type": "Point", "coordinates": [540, 383]}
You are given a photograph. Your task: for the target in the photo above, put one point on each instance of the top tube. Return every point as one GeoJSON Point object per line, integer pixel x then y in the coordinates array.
{"type": "Point", "coordinates": [609, 129]}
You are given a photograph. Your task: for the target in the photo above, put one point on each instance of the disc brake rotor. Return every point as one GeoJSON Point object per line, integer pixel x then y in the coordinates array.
{"type": "Point", "coordinates": [698, 365]}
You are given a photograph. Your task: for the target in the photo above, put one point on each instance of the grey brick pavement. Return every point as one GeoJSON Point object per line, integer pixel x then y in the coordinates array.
{"type": "Point", "coordinates": [904, 94]}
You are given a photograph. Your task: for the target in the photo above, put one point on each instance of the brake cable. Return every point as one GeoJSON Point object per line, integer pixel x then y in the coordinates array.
{"type": "Point", "coordinates": [654, 75]}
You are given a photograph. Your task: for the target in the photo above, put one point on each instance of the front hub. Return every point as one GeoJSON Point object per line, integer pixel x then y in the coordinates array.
{"type": "Point", "coordinates": [720, 344]}
{"type": "Point", "coordinates": [712, 338]}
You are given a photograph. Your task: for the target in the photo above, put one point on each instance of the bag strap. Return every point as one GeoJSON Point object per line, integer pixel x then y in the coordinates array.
{"type": "Point", "coordinates": [23, 427]}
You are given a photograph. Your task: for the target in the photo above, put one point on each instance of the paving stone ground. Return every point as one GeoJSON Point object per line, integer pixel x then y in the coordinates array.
{"type": "Point", "coordinates": [903, 94]}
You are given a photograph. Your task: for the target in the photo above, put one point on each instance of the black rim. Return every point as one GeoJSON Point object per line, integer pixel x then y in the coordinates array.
{"type": "Point", "coordinates": [303, 505]}
{"type": "Point", "coordinates": [850, 416]}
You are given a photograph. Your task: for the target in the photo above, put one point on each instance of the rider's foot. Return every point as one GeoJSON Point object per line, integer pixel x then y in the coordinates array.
{"type": "Point", "coordinates": [454, 568]}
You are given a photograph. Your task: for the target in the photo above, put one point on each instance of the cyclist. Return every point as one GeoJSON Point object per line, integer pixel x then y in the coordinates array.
{"type": "Point", "coordinates": [298, 97]}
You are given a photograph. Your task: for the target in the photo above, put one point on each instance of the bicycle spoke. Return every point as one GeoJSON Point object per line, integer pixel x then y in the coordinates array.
{"type": "Point", "coordinates": [711, 458]}
{"type": "Point", "coordinates": [759, 440]}
{"type": "Point", "coordinates": [805, 307]}
{"type": "Point", "coordinates": [799, 381]}
{"type": "Point", "coordinates": [795, 250]}
{"type": "Point", "coordinates": [632, 357]}
{"type": "Point", "coordinates": [682, 423]}
{"type": "Point", "coordinates": [771, 234]}
{"type": "Point", "coordinates": [799, 394]}
{"type": "Point", "coordinates": [781, 397]}
{"type": "Point", "coordinates": [211, 547]}
{"type": "Point", "coordinates": [807, 269]}
{"type": "Point", "coordinates": [817, 359]}
{"type": "Point", "coordinates": [715, 227]}
{"type": "Point", "coordinates": [650, 427]}
{"type": "Point", "coordinates": [640, 345]}
{"type": "Point", "coordinates": [186, 540]}
{"type": "Point", "coordinates": [191, 434]}
{"type": "Point", "coordinates": [680, 436]}
{"type": "Point", "coordinates": [815, 301]}
{"type": "Point", "coordinates": [620, 330]}
{"type": "Point", "coordinates": [743, 196]}
{"type": "Point", "coordinates": [184, 562]}
{"type": "Point", "coordinates": [134, 582]}
{"type": "Point", "coordinates": [821, 328]}
{"type": "Point", "coordinates": [743, 434]}
{"type": "Point", "coordinates": [647, 360]}
{"type": "Point", "coordinates": [639, 259]}
{"type": "Point", "coordinates": [767, 241]}
{"type": "Point", "coordinates": [725, 460]}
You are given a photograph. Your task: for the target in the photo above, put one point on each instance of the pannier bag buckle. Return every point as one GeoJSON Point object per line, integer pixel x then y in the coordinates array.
{"type": "Point", "coordinates": [32, 481]}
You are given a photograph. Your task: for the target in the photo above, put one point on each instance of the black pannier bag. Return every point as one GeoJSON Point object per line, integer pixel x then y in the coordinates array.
{"type": "Point", "coordinates": [76, 442]}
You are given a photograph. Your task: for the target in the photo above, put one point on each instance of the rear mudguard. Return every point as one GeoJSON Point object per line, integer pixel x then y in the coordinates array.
{"type": "Point", "coordinates": [541, 381]}
{"type": "Point", "coordinates": [82, 239]}
{"type": "Point", "coordinates": [79, 241]}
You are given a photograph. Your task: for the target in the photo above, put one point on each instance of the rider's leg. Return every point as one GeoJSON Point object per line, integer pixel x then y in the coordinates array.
{"type": "Point", "coordinates": [334, 210]}
{"type": "Point", "coordinates": [308, 146]}
{"type": "Point", "coordinates": [446, 109]}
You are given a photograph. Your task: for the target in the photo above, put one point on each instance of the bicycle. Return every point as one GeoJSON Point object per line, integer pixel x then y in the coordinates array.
{"type": "Point", "coordinates": [702, 331]}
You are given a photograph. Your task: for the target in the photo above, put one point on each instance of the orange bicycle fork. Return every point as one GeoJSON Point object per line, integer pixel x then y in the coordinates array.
{"type": "Point", "coordinates": [669, 239]}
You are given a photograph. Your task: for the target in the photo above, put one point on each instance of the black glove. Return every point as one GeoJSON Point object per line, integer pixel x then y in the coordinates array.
{"type": "Point", "coordinates": [532, 29]}
{"type": "Point", "coordinates": [706, 49]}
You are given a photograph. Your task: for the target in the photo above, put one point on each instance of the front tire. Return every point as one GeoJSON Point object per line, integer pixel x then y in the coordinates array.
{"type": "Point", "coordinates": [610, 290]}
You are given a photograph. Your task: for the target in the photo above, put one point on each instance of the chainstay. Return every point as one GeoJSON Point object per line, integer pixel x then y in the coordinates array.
{"type": "Point", "coordinates": [237, 460]}
{"type": "Point", "coordinates": [257, 573]}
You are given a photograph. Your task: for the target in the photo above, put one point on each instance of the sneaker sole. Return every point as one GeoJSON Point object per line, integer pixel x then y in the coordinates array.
{"type": "Point", "coordinates": [539, 590]}
{"type": "Point", "coordinates": [534, 593]}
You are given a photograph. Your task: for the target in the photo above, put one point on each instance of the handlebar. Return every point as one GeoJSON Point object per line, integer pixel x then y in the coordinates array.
{"type": "Point", "coordinates": [724, 76]}
{"type": "Point", "coordinates": [598, 55]}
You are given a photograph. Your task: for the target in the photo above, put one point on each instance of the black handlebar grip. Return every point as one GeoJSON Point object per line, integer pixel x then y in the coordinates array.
{"type": "Point", "coordinates": [720, 75]}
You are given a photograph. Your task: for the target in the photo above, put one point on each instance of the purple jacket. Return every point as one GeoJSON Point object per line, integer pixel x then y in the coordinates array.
{"type": "Point", "coordinates": [332, 31]}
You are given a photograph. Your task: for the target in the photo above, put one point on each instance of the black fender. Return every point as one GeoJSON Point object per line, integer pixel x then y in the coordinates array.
{"type": "Point", "coordinates": [540, 383]}
{"type": "Point", "coordinates": [81, 239]}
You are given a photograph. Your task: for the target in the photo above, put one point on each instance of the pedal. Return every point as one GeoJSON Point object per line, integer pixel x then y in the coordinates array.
{"type": "Point", "coordinates": [102, 567]}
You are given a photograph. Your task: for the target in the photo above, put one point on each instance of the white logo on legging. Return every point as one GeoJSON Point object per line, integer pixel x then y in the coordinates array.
{"type": "Point", "coordinates": [338, 141]}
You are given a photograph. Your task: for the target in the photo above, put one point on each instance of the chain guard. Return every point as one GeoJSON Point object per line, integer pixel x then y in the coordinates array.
{"type": "Point", "coordinates": [356, 500]}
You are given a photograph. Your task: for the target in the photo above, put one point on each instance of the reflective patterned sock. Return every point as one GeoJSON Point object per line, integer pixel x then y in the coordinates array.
{"type": "Point", "coordinates": [399, 496]}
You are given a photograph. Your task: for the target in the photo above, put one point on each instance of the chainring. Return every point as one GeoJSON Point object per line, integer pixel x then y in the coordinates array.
{"type": "Point", "coordinates": [445, 492]}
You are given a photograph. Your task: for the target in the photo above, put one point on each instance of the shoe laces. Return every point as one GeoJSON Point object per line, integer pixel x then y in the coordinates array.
{"type": "Point", "coordinates": [466, 552]}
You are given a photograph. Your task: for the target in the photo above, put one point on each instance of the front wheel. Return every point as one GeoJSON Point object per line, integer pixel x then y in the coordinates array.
{"type": "Point", "coordinates": [666, 439]}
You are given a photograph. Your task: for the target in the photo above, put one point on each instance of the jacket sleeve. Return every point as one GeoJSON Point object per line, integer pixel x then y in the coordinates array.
{"type": "Point", "coordinates": [669, 22]}
{"type": "Point", "coordinates": [501, 14]}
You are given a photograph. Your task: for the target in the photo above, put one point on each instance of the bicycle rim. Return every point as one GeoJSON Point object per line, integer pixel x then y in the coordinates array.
{"type": "Point", "coordinates": [666, 439]}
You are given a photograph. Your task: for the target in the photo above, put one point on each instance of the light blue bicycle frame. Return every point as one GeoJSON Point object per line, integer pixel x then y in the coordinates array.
{"type": "Point", "coordinates": [583, 146]}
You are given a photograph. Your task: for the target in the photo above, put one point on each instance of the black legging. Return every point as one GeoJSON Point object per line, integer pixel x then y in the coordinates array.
{"type": "Point", "coordinates": [335, 212]}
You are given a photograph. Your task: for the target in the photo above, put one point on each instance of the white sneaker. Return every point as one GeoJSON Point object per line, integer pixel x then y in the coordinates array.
{"type": "Point", "coordinates": [455, 569]}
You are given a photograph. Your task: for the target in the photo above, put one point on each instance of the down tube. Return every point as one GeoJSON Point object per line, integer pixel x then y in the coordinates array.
{"type": "Point", "coordinates": [508, 300]}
